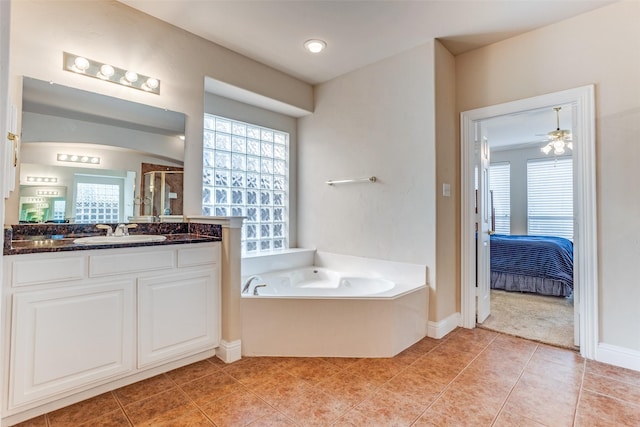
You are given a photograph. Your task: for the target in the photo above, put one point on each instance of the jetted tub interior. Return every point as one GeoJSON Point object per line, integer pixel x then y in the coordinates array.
{"type": "Point", "coordinates": [316, 282]}
{"type": "Point", "coordinates": [334, 306]}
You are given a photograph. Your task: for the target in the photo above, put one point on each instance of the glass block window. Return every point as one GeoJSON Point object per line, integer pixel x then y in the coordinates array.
{"type": "Point", "coordinates": [246, 173]}
{"type": "Point", "coordinates": [500, 187]}
{"type": "Point", "coordinates": [97, 203]}
{"type": "Point", "coordinates": [550, 197]}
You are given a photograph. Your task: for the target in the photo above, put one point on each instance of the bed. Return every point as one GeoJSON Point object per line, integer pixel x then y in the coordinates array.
{"type": "Point", "coordinates": [536, 264]}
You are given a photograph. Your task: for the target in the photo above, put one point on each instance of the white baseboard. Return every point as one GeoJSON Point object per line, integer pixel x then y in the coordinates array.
{"type": "Point", "coordinates": [442, 328]}
{"type": "Point", "coordinates": [229, 352]}
{"type": "Point", "coordinates": [618, 356]}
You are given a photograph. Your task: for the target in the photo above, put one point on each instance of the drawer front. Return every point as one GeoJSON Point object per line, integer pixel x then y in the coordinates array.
{"type": "Point", "coordinates": [40, 271]}
{"type": "Point", "coordinates": [130, 262]}
{"type": "Point", "coordinates": [199, 255]}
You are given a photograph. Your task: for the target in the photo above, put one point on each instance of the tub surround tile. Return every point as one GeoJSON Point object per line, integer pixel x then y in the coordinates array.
{"type": "Point", "coordinates": [490, 380]}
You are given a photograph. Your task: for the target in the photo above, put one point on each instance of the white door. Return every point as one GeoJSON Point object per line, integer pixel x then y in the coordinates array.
{"type": "Point", "coordinates": [483, 241]}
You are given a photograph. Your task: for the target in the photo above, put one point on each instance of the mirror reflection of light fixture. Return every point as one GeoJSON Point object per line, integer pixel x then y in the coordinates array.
{"type": "Point", "coordinates": [559, 139]}
{"type": "Point", "coordinates": [48, 193]}
{"type": "Point", "coordinates": [89, 67]}
{"type": "Point", "coordinates": [42, 179]}
{"type": "Point", "coordinates": [77, 158]}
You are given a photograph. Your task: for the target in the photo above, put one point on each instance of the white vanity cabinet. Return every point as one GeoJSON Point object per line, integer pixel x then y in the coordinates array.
{"type": "Point", "coordinates": [68, 337]}
{"type": "Point", "coordinates": [81, 319]}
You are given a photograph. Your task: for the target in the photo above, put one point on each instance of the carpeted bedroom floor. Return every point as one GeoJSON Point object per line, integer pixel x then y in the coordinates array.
{"type": "Point", "coordinates": [540, 318]}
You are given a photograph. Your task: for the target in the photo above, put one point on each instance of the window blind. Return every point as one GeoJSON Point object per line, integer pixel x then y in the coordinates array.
{"type": "Point", "coordinates": [550, 197]}
{"type": "Point", "coordinates": [500, 186]}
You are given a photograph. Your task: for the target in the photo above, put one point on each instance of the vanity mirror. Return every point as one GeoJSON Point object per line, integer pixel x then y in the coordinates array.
{"type": "Point", "coordinates": [82, 156]}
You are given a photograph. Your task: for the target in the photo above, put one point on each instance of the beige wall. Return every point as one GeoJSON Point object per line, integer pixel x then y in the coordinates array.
{"type": "Point", "coordinates": [376, 121]}
{"type": "Point", "coordinates": [109, 31]}
{"type": "Point", "coordinates": [446, 300]}
{"type": "Point", "coordinates": [602, 48]}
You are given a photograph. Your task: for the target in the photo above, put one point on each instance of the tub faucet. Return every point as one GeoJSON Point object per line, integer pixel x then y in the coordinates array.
{"type": "Point", "coordinates": [255, 288]}
{"type": "Point", "coordinates": [245, 288]}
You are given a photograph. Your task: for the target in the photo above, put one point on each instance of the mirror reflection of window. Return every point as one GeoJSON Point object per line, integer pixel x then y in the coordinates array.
{"type": "Point", "coordinates": [100, 199]}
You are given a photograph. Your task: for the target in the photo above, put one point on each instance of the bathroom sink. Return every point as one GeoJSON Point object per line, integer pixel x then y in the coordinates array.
{"type": "Point", "coordinates": [114, 240]}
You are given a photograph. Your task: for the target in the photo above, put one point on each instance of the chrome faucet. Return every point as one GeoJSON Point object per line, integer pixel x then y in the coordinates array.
{"type": "Point", "coordinates": [123, 229]}
{"type": "Point", "coordinates": [245, 288]}
{"type": "Point", "coordinates": [255, 288]}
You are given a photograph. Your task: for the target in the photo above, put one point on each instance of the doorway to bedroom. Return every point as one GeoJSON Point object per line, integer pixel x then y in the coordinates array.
{"type": "Point", "coordinates": [530, 208]}
{"type": "Point", "coordinates": [481, 218]}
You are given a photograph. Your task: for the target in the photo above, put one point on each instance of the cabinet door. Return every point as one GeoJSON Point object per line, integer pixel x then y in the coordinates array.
{"type": "Point", "coordinates": [64, 339]}
{"type": "Point", "coordinates": [177, 315]}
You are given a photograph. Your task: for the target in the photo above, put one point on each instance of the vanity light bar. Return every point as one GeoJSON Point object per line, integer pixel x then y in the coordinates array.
{"type": "Point", "coordinates": [41, 179]}
{"type": "Point", "coordinates": [89, 67]}
{"type": "Point", "coordinates": [78, 158]}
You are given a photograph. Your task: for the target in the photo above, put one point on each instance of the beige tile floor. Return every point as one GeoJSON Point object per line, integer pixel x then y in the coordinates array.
{"type": "Point", "coordinates": [470, 378]}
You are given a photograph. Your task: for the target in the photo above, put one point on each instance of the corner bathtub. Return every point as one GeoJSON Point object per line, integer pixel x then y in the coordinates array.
{"type": "Point", "coordinates": [318, 311]}
{"type": "Point", "coordinates": [319, 282]}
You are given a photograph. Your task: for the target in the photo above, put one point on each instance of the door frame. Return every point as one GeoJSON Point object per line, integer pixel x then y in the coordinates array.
{"type": "Point", "coordinates": [585, 218]}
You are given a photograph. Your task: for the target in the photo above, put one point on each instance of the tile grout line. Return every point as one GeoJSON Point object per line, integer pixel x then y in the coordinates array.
{"type": "Point", "coordinates": [516, 383]}
{"type": "Point", "coordinates": [448, 385]}
{"type": "Point", "coordinates": [575, 410]}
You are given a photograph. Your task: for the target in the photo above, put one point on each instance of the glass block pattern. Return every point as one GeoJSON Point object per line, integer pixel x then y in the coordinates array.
{"type": "Point", "coordinates": [246, 173]}
{"type": "Point", "coordinates": [97, 203]}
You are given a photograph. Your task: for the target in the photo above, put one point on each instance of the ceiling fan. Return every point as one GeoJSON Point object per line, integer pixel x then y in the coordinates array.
{"type": "Point", "coordinates": [559, 139]}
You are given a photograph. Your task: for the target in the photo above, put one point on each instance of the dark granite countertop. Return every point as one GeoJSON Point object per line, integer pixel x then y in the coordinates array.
{"type": "Point", "coordinates": [37, 238]}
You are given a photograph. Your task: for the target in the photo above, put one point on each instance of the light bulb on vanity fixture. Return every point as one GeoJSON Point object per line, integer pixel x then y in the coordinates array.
{"type": "Point", "coordinates": [107, 72]}
{"type": "Point", "coordinates": [77, 158]}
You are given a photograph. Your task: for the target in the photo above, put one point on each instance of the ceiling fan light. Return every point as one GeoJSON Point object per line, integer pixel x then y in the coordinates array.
{"type": "Point", "coordinates": [557, 151]}
{"type": "Point", "coordinates": [546, 149]}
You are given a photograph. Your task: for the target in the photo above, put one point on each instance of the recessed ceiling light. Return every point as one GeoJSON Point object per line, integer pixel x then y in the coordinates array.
{"type": "Point", "coordinates": [315, 45]}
